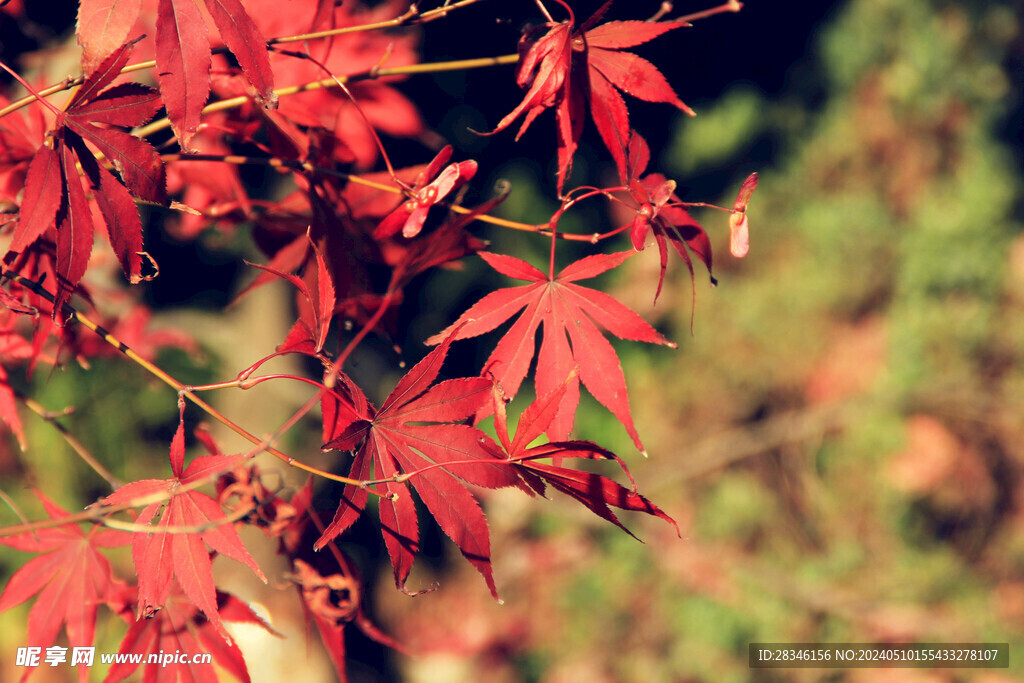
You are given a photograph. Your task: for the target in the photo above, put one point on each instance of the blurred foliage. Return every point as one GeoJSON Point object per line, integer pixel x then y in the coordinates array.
{"type": "Point", "coordinates": [841, 437]}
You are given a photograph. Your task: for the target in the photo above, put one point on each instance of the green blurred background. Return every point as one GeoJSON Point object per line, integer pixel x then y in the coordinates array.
{"type": "Point", "coordinates": [842, 436]}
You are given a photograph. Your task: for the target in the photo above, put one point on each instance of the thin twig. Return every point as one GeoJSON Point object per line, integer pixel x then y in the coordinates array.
{"type": "Point", "coordinates": [71, 313]}
{"type": "Point", "coordinates": [71, 440]}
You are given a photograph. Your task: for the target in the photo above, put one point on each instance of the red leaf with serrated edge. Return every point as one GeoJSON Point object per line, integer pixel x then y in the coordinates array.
{"type": "Point", "coordinates": [124, 230]}
{"type": "Point", "coordinates": [245, 41]}
{"type": "Point", "coordinates": [162, 554]}
{"type": "Point", "coordinates": [92, 108]}
{"type": "Point", "coordinates": [413, 433]}
{"type": "Point", "coordinates": [183, 65]}
{"type": "Point", "coordinates": [611, 117]}
{"type": "Point", "coordinates": [173, 635]}
{"type": "Point", "coordinates": [616, 35]}
{"type": "Point", "coordinates": [136, 160]}
{"type": "Point", "coordinates": [660, 211]}
{"type": "Point", "coordinates": [103, 26]}
{"type": "Point", "coordinates": [43, 187]}
{"type": "Point", "coordinates": [127, 104]}
{"type": "Point", "coordinates": [316, 303]}
{"type": "Point", "coordinates": [569, 66]}
{"type": "Point", "coordinates": [595, 492]}
{"type": "Point", "coordinates": [634, 76]}
{"type": "Point", "coordinates": [70, 580]}
{"type": "Point", "coordinates": [74, 233]}
{"type": "Point", "coordinates": [326, 298]}
{"type": "Point", "coordinates": [571, 338]}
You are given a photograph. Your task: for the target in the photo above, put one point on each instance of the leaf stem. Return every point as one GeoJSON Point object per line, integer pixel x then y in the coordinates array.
{"type": "Point", "coordinates": [277, 162]}
{"type": "Point", "coordinates": [71, 440]}
{"type": "Point", "coordinates": [410, 16]}
{"type": "Point", "coordinates": [369, 74]}
{"type": "Point", "coordinates": [730, 6]}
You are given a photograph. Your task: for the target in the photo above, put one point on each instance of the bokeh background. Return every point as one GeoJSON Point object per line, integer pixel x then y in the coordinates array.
{"type": "Point", "coordinates": [841, 435]}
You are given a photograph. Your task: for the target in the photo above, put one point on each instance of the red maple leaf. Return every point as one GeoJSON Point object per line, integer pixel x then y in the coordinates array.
{"type": "Point", "coordinates": [595, 492]}
{"type": "Point", "coordinates": [174, 552]}
{"type": "Point", "coordinates": [660, 211]}
{"type": "Point", "coordinates": [570, 315]}
{"type": "Point", "coordinates": [385, 107]}
{"type": "Point", "coordinates": [179, 632]}
{"type": "Point", "coordinates": [70, 580]}
{"type": "Point", "coordinates": [53, 190]}
{"type": "Point", "coordinates": [569, 68]}
{"type": "Point", "coordinates": [183, 55]}
{"type": "Point", "coordinates": [315, 303]}
{"type": "Point", "coordinates": [414, 430]}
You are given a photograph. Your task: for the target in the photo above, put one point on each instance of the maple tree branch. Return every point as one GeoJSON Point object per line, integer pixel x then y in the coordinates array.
{"type": "Point", "coordinates": [369, 74]}
{"type": "Point", "coordinates": [76, 445]}
{"type": "Point", "coordinates": [277, 162]}
{"type": "Point", "coordinates": [348, 93]}
{"type": "Point", "coordinates": [411, 16]}
{"type": "Point", "coordinates": [163, 376]}
{"type": "Point", "coordinates": [730, 6]}
{"type": "Point", "coordinates": [14, 507]}
{"type": "Point", "coordinates": [134, 528]}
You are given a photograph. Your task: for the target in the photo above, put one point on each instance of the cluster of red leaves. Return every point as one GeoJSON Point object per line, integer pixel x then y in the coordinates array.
{"type": "Point", "coordinates": [575, 69]}
{"type": "Point", "coordinates": [349, 245]}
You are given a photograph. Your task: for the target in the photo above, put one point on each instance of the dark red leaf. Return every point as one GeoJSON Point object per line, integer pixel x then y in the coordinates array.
{"type": "Point", "coordinates": [595, 492]}
{"type": "Point", "coordinates": [180, 628]}
{"type": "Point", "coordinates": [43, 187]}
{"type": "Point", "coordinates": [161, 555]}
{"type": "Point", "coordinates": [248, 45]}
{"type": "Point", "coordinates": [74, 233]}
{"type": "Point", "coordinates": [124, 230]}
{"type": "Point", "coordinates": [70, 579]}
{"type": "Point", "coordinates": [183, 65]}
{"type": "Point", "coordinates": [413, 433]}
{"type": "Point", "coordinates": [127, 104]}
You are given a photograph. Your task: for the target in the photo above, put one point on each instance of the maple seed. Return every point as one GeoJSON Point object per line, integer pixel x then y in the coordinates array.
{"type": "Point", "coordinates": [739, 233]}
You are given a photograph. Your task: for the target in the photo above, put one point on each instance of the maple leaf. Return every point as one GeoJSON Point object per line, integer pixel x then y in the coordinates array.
{"type": "Point", "coordinates": [69, 581]}
{"type": "Point", "coordinates": [53, 190]}
{"type": "Point", "coordinates": [414, 430]}
{"type": "Point", "coordinates": [162, 554]}
{"type": "Point", "coordinates": [180, 628]}
{"type": "Point", "coordinates": [431, 186]}
{"type": "Point", "coordinates": [21, 133]}
{"type": "Point", "coordinates": [595, 492]}
{"type": "Point", "coordinates": [570, 315]}
{"type": "Point", "coordinates": [568, 68]}
{"type": "Point", "coordinates": [182, 49]}
{"type": "Point", "coordinates": [385, 107]}
{"type": "Point", "coordinates": [660, 211]}
{"type": "Point", "coordinates": [316, 304]}
{"type": "Point", "coordinates": [102, 27]}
